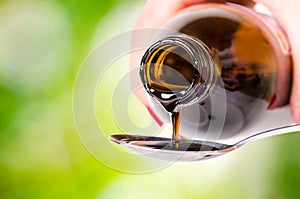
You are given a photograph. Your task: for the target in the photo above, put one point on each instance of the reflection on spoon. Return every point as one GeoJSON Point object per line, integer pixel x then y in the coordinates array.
{"type": "Point", "coordinates": [188, 150]}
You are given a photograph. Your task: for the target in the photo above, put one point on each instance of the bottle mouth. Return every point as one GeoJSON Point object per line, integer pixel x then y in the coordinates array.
{"type": "Point", "coordinates": [177, 68]}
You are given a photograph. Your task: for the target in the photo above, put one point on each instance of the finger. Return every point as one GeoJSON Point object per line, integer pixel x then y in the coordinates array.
{"type": "Point", "coordinates": [287, 13]}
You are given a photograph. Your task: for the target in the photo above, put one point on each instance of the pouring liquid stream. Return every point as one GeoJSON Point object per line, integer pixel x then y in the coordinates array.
{"type": "Point", "coordinates": [169, 73]}
{"type": "Point", "coordinates": [176, 118]}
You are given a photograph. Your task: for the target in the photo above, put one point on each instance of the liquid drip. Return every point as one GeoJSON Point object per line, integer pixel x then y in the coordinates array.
{"type": "Point", "coordinates": [169, 72]}
{"type": "Point", "coordinates": [176, 117]}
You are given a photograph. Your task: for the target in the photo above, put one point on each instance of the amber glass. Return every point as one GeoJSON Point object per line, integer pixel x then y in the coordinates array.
{"type": "Point", "coordinates": [238, 50]}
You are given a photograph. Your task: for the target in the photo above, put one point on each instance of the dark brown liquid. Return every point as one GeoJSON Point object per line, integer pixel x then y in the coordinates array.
{"type": "Point", "coordinates": [169, 71]}
{"type": "Point", "coordinates": [167, 144]}
{"type": "Point", "coordinates": [176, 117]}
{"type": "Point", "coordinates": [183, 145]}
{"type": "Point", "coordinates": [246, 60]}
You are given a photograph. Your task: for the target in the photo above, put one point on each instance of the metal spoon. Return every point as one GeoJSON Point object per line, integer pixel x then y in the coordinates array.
{"type": "Point", "coordinates": [188, 150]}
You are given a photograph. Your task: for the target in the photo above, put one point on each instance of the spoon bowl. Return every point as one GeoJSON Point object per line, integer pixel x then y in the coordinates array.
{"type": "Point", "coordinates": [188, 150]}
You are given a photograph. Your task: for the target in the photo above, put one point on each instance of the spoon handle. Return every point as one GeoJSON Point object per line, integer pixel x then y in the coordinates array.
{"type": "Point", "coordinates": [268, 133]}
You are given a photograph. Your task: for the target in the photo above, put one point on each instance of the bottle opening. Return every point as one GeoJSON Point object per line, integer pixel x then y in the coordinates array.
{"type": "Point", "coordinates": [169, 70]}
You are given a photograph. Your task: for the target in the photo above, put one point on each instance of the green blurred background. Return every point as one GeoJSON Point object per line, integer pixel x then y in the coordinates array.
{"type": "Point", "coordinates": [42, 45]}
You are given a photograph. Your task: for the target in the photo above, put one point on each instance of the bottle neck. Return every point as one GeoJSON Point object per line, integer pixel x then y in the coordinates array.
{"type": "Point", "coordinates": [178, 70]}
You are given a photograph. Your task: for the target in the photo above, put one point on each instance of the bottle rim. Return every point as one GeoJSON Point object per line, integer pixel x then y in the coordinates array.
{"type": "Point", "coordinates": [202, 60]}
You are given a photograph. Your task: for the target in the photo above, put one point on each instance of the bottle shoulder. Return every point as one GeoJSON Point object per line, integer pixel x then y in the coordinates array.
{"type": "Point", "coordinates": [232, 14]}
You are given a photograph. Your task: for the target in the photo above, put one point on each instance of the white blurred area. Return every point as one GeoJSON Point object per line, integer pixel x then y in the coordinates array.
{"type": "Point", "coordinates": [35, 40]}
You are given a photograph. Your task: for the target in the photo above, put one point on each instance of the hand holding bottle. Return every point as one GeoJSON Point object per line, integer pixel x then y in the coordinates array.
{"type": "Point", "coordinates": [156, 13]}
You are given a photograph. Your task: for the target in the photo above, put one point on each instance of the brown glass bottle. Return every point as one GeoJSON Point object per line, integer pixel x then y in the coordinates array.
{"type": "Point", "coordinates": [220, 46]}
